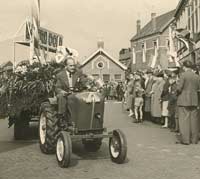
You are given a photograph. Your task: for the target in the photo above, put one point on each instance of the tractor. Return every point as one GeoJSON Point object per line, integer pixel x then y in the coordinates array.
{"type": "Point", "coordinates": [86, 111]}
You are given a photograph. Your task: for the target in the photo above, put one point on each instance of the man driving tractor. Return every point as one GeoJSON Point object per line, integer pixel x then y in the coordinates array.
{"type": "Point", "coordinates": [76, 116]}
{"type": "Point", "coordinates": [66, 80]}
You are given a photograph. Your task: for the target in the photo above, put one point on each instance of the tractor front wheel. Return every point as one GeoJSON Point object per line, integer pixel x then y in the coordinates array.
{"type": "Point", "coordinates": [64, 149]}
{"type": "Point", "coordinates": [118, 147]}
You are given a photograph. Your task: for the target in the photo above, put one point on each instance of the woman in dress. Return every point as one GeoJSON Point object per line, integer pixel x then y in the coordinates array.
{"type": "Point", "coordinates": [157, 88]}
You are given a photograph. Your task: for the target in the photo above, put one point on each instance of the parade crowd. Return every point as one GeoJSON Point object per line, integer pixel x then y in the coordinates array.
{"type": "Point", "coordinates": [165, 97]}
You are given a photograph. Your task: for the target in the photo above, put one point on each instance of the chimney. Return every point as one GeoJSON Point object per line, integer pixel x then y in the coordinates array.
{"type": "Point", "coordinates": [100, 44]}
{"type": "Point", "coordinates": [138, 26]}
{"type": "Point", "coordinates": [153, 21]}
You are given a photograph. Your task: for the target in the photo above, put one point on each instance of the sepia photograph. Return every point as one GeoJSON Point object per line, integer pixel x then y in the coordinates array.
{"type": "Point", "coordinates": [100, 89]}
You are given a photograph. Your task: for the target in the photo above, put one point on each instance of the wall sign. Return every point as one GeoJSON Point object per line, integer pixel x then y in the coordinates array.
{"type": "Point", "coordinates": [48, 39]}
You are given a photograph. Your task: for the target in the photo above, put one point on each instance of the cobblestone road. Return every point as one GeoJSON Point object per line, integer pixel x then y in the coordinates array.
{"type": "Point", "coordinates": [152, 154]}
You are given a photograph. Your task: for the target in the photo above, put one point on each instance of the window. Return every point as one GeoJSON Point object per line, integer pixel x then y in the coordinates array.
{"type": "Point", "coordinates": [168, 44]}
{"type": "Point", "coordinates": [197, 20]}
{"type": "Point", "coordinates": [189, 26]}
{"type": "Point", "coordinates": [96, 76]}
{"type": "Point", "coordinates": [106, 77]}
{"type": "Point", "coordinates": [100, 65]}
{"type": "Point", "coordinates": [193, 16]}
{"type": "Point", "coordinates": [118, 77]}
{"type": "Point", "coordinates": [193, 23]}
{"type": "Point", "coordinates": [155, 44]}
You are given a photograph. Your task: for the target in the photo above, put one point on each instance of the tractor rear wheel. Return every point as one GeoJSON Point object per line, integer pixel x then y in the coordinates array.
{"type": "Point", "coordinates": [48, 128]}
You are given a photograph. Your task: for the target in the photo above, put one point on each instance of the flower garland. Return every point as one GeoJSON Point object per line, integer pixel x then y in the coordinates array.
{"type": "Point", "coordinates": [28, 87]}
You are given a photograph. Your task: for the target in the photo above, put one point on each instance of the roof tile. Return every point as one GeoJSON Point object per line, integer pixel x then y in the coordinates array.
{"type": "Point", "coordinates": [161, 22]}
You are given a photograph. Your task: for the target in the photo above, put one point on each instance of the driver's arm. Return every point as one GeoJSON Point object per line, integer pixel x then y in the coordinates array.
{"type": "Point", "coordinates": [59, 88]}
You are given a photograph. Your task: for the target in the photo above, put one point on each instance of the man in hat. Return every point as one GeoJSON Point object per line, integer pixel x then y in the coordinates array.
{"type": "Point", "coordinates": [67, 79]}
{"type": "Point", "coordinates": [187, 90]}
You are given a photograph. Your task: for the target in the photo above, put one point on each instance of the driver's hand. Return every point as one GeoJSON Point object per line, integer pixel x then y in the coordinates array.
{"type": "Point", "coordinates": [65, 93]}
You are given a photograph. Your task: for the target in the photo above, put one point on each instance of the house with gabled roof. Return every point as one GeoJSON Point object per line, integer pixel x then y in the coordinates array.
{"type": "Point", "coordinates": [102, 65]}
{"type": "Point", "coordinates": [151, 45]}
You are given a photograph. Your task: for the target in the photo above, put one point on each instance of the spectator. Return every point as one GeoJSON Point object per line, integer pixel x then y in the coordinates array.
{"type": "Point", "coordinates": [172, 106]}
{"type": "Point", "coordinates": [187, 90]}
{"type": "Point", "coordinates": [156, 92]}
{"type": "Point", "coordinates": [130, 86]}
{"type": "Point", "coordinates": [139, 101]}
{"type": "Point", "coordinates": [165, 100]}
{"type": "Point", "coordinates": [147, 98]}
{"type": "Point", "coordinates": [120, 92]}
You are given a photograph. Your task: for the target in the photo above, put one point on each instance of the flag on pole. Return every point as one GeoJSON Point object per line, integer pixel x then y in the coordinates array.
{"type": "Point", "coordinates": [35, 18]}
{"type": "Point", "coordinates": [35, 11]}
{"type": "Point", "coordinates": [183, 35]}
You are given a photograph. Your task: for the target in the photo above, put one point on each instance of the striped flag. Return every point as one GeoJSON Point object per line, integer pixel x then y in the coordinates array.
{"type": "Point", "coordinates": [183, 35]}
{"type": "Point", "coordinates": [154, 60]}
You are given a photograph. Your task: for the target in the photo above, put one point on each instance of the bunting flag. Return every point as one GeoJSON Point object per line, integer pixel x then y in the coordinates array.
{"type": "Point", "coordinates": [134, 56]}
{"type": "Point", "coordinates": [172, 52]}
{"type": "Point", "coordinates": [144, 53]}
{"type": "Point", "coordinates": [154, 60]}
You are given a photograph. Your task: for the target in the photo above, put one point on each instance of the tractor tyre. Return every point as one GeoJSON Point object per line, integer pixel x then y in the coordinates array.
{"type": "Point", "coordinates": [48, 128]}
{"type": "Point", "coordinates": [118, 147]}
{"type": "Point", "coordinates": [64, 149]}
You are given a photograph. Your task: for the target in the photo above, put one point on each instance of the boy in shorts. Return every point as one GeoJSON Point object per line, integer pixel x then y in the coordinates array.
{"type": "Point", "coordinates": [139, 101]}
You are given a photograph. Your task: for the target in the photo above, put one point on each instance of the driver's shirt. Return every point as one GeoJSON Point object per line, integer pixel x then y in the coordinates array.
{"type": "Point", "coordinates": [69, 79]}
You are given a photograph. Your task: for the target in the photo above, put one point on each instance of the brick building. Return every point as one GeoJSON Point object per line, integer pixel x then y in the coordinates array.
{"type": "Point", "coordinates": [150, 46]}
{"type": "Point", "coordinates": [101, 65]}
{"type": "Point", "coordinates": [187, 17]}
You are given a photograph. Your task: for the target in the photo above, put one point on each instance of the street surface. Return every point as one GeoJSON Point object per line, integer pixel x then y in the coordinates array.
{"type": "Point", "coordinates": [152, 154]}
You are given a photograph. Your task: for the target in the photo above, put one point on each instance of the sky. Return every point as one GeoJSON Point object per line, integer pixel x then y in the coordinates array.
{"type": "Point", "coordinates": [84, 22]}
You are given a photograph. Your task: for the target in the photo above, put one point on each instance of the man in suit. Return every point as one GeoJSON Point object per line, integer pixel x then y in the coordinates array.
{"type": "Point", "coordinates": [147, 98]}
{"type": "Point", "coordinates": [187, 90]}
{"type": "Point", "coordinates": [67, 79]}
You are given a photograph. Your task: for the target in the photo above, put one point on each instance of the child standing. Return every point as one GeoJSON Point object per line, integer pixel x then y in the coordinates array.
{"type": "Point", "coordinates": [139, 101]}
